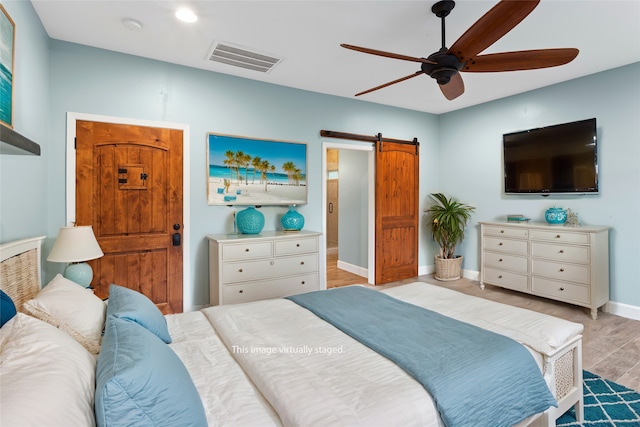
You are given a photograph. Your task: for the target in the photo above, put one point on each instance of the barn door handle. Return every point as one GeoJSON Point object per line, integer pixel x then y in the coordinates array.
{"type": "Point", "coordinates": [175, 239]}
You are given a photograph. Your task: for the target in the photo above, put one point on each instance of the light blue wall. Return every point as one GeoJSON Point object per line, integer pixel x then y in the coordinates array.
{"type": "Point", "coordinates": [23, 196]}
{"type": "Point", "coordinates": [471, 147]}
{"type": "Point", "coordinates": [94, 81]}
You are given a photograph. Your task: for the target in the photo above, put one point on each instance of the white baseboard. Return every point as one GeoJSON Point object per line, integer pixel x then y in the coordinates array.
{"type": "Point", "coordinates": [467, 274]}
{"type": "Point", "coordinates": [360, 271]}
{"type": "Point", "coordinates": [426, 269]}
{"type": "Point", "coordinates": [624, 310]}
{"type": "Point", "coordinates": [471, 275]}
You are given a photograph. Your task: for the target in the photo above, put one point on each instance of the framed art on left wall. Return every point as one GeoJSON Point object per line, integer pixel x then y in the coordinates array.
{"type": "Point", "coordinates": [7, 44]}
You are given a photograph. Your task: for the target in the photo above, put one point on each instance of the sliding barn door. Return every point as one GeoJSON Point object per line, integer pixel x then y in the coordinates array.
{"type": "Point", "coordinates": [129, 188]}
{"type": "Point", "coordinates": [396, 247]}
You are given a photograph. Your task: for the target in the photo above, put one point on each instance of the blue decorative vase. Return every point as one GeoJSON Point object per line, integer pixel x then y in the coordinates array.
{"type": "Point", "coordinates": [292, 220]}
{"type": "Point", "coordinates": [555, 216]}
{"type": "Point", "coordinates": [250, 220]}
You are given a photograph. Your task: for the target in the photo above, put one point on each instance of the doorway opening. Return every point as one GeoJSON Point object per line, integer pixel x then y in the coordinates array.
{"type": "Point", "coordinates": [348, 192]}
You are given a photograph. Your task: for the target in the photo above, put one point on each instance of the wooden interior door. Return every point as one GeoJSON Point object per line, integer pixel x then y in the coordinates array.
{"type": "Point", "coordinates": [333, 156]}
{"type": "Point", "coordinates": [396, 217]}
{"type": "Point", "coordinates": [332, 213]}
{"type": "Point", "coordinates": [129, 182]}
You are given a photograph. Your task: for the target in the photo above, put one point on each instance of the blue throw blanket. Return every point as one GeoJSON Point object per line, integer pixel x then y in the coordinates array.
{"type": "Point", "coordinates": [477, 378]}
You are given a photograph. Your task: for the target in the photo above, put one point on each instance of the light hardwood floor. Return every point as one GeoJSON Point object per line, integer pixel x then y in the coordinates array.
{"type": "Point", "coordinates": [610, 345]}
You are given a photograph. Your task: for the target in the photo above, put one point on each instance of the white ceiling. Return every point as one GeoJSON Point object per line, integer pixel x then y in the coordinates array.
{"type": "Point", "coordinates": [308, 33]}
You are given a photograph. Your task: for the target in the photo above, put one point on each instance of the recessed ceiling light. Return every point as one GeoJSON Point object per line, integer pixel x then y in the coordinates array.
{"type": "Point", "coordinates": [132, 24]}
{"type": "Point", "coordinates": [186, 15]}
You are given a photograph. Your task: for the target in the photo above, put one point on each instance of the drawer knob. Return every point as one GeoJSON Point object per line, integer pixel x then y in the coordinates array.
{"type": "Point", "coordinates": [562, 289]}
{"type": "Point", "coordinates": [240, 271]}
{"type": "Point", "coordinates": [561, 270]}
{"type": "Point", "coordinates": [240, 291]}
{"type": "Point", "coordinates": [561, 251]}
{"type": "Point", "coordinates": [502, 231]}
{"type": "Point", "coordinates": [500, 244]}
{"type": "Point", "coordinates": [557, 236]}
{"type": "Point", "coordinates": [301, 262]}
{"type": "Point", "coordinates": [303, 282]}
{"type": "Point", "coordinates": [246, 250]}
{"type": "Point", "coordinates": [297, 245]}
{"type": "Point", "coordinates": [500, 276]}
{"type": "Point", "coordinates": [500, 260]}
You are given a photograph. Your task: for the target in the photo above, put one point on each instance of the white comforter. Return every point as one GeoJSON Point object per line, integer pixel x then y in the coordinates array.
{"type": "Point", "coordinates": [229, 397]}
{"type": "Point", "coordinates": [314, 375]}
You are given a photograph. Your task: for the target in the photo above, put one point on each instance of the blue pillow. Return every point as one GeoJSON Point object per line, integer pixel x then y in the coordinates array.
{"type": "Point", "coordinates": [131, 305]}
{"type": "Point", "coordinates": [7, 308]}
{"type": "Point", "coordinates": [141, 382]}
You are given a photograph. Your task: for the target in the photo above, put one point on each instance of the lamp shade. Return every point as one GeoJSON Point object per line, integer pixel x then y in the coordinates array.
{"type": "Point", "coordinates": [75, 244]}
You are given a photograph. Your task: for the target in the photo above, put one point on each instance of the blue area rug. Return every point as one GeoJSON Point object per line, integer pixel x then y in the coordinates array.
{"type": "Point", "coordinates": [606, 404]}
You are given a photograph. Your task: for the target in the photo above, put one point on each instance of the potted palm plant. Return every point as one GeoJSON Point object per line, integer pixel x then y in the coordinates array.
{"type": "Point", "coordinates": [446, 220]}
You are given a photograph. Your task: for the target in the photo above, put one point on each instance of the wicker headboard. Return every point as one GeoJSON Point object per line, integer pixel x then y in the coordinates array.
{"type": "Point", "coordinates": [20, 272]}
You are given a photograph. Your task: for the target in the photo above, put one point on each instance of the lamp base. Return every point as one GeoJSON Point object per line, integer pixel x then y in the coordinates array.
{"type": "Point", "coordinates": [80, 273]}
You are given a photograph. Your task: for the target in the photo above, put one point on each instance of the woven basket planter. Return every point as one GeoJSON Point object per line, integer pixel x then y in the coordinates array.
{"type": "Point", "coordinates": [448, 269]}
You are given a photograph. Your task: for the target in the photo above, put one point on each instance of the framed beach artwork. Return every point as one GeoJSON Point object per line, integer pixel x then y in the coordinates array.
{"type": "Point", "coordinates": [259, 172]}
{"type": "Point", "coordinates": [7, 44]}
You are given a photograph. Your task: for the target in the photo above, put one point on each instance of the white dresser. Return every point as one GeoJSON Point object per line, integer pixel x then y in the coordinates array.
{"type": "Point", "coordinates": [250, 267]}
{"type": "Point", "coordinates": [562, 263]}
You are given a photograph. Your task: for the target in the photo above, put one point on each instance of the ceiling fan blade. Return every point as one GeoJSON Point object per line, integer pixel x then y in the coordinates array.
{"type": "Point", "coordinates": [417, 73]}
{"type": "Point", "coordinates": [494, 24]}
{"type": "Point", "coordinates": [521, 60]}
{"type": "Point", "coordinates": [454, 88]}
{"type": "Point", "coordinates": [386, 54]}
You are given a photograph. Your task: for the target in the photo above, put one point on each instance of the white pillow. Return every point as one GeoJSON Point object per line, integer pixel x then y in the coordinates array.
{"type": "Point", "coordinates": [72, 308]}
{"type": "Point", "coordinates": [48, 379]}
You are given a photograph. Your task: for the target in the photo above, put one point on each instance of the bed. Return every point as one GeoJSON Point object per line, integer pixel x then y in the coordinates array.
{"type": "Point", "coordinates": [264, 363]}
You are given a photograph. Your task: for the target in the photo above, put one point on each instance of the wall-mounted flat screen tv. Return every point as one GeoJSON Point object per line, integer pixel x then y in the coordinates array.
{"type": "Point", "coordinates": [550, 160]}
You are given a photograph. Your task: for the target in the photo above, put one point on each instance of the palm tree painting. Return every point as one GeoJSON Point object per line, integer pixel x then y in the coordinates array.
{"type": "Point", "coordinates": [257, 171]}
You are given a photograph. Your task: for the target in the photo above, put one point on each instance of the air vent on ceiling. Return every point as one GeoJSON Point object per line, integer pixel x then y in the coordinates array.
{"type": "Point", "coordinates": [242, 57]}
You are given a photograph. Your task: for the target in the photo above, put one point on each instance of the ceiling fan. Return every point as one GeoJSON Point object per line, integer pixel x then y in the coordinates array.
{"type": "Point", "coordinates": [446, 64]}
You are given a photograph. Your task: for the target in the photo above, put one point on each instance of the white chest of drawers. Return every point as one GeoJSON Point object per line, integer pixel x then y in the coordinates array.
{"type": "Point", "coordinates": [557, 262]}
{"type": "Point", "coordinates": [250, 267]}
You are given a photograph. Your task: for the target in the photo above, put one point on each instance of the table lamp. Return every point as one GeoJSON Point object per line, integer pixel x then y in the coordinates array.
{"type": "Point", "coordinates": [75, 245]}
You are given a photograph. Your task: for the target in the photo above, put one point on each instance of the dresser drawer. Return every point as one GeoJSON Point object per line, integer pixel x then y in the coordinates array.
{"type": "Point", "coordinates": [560, 236]}
{"type": "Point", "coordinates": [236, 251]}
{"type": "Point", "coordinates": [296, 246]}
{"type": "Point", "coordinates": [507, 232]}
{"type": "Point", "coordinates": [274, 288]}
{"type": "Point", "coordinates": [505, 279]}
{"type": "Point", "coordinates": [560, 291]}
{"type": "Point", "coordinates": [268, 268]}
{"type": "Point", "coordinates": [562, 271]}
{"type": "Point", "coordinates": [508, 262]}
{"type": "Point", "coordinates": [518, 247]}
{"type": "Point", "coordinates": [560, 252]}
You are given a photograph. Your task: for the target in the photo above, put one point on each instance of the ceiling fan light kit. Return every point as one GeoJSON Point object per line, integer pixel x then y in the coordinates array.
{"type": "Point", "coordinates": [445, 65]}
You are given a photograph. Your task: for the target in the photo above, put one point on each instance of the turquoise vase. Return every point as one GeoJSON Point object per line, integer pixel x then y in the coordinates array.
{"type": "Point", "coordinates": [555, 216]}
{"type": "Point", "coordinates": [292, 220]}
{"type": "Point", "coordinates": [250, 220]}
